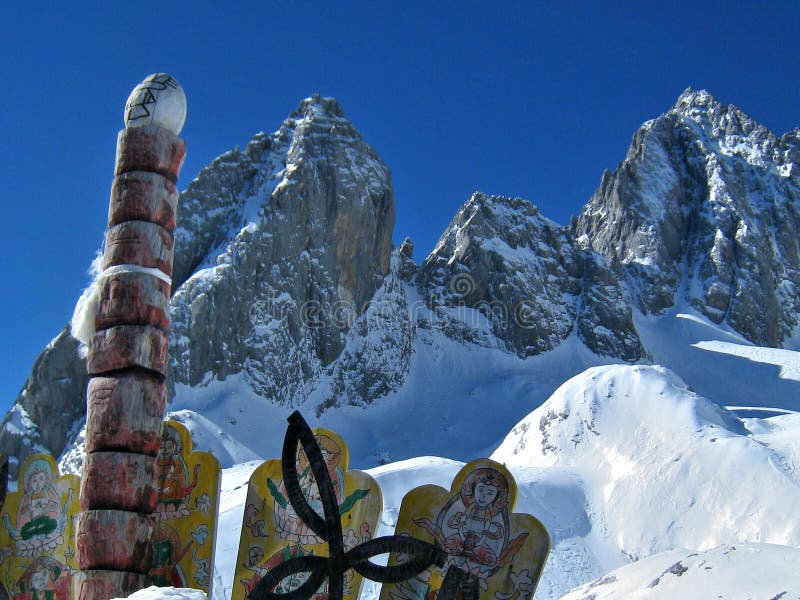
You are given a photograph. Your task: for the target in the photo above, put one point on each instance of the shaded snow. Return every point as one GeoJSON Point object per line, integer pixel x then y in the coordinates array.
{"type": "Point", "coordinates": [621, 463]}
{"type": "Point", "coordinates": [763, 571]}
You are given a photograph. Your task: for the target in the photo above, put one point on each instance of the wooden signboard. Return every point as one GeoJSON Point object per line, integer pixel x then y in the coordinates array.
{"type": "Point", "coordinates": [186, 513]}
{"type": "Point", "coordinates": [273, 533]}
{"type": "Point", "coordinates": [37, 536]}
{"type": "Point", "coordinates": [491, 550]}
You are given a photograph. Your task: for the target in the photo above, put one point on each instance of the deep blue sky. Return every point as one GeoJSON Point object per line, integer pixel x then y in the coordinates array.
{"type": "Point", "coordinates": [527, 99]}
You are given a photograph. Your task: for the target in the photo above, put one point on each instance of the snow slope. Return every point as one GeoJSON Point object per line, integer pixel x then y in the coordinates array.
{"type": "Point", "coordinates": [720, 364]}
{"type": "Point", "coordinates": [741, 571]}
{"type": "Point", "coordinates": [446, 394]}
{"type": "Point", "coordinates": [463, 397]}
{"type": "Point", "coordinates": [621, 464]}
{"type": "Point", "coordinates": [661, 467]}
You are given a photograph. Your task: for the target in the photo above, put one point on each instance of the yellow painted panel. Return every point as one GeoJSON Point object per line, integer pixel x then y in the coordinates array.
{"type": "Point", "coordinates": [188, 503]}
{"type": "Point", "coordinates": [272, 532]}
{"type": "Point", "coordinates": [475, 525]}
{"type": "Point", "coordinates": [37, 537]}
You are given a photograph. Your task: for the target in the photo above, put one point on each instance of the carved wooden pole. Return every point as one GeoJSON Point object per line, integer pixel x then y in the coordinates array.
{"type": "Point", "coordinates": [127, 358]}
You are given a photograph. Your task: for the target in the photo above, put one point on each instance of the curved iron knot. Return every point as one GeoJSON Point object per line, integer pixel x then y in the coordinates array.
{"type": "Point", "coordinates": [422, 554]}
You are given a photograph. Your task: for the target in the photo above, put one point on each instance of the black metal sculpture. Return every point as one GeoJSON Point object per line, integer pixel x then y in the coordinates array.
{"type": "Point", "coordinates": [329, 528]}
{"type": "Point", "coordinates": [3, 478]}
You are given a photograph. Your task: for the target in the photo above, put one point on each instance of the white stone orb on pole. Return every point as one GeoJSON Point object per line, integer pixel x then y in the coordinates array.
{"type": "Point", "coordinates": [128, 347]}
{"type": "Point", "coordinates": [158, 100]}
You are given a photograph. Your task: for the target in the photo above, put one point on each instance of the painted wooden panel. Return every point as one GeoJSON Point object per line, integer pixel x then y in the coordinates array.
{"type": "Point", "coordinates": [186, 512]}
{"type": "Point", "coordinates": [273, 533]}
{"type": "Point", "coordinates": [503, 552]}
{"type": "Point", "coordinates": [37, 536]}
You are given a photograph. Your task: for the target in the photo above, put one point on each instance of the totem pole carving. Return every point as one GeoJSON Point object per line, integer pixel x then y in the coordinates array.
{"type": "Point", "coordinates": [127, 357]}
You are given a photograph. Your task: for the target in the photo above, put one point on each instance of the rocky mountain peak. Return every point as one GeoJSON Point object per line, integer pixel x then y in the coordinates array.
{"type": "Point", "coordinates": [299, 228]}
{"type": "Point", "coordinates": [698, 103]}
{"type": "Point", "coordinates": [727, 129]}
{"type": "Point", "coordinates": [485, 217]}
{"type": "Point", "coordinates": [242, 189]}
{"type": "Point", "coordinates": [318, 107]}
{"type": "Point", "coordinates": [501, 258]}
{"type": "Point", "coordinates": [701, 106]}
{"type": "Point", "coordinates": [702, 211]}
{"type": "Point", "coordinates": [286, 289]}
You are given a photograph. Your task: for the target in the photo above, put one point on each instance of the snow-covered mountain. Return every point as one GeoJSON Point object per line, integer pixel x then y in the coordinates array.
{"type": "Point", "coordinates": [705, 208]}
{"type": "Point", "coordinates": [626, 464]}
{"type": "Point", "coordinates": [288, 295]}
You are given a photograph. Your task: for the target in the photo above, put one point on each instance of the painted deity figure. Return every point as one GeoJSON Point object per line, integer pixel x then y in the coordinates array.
{"type": "Point", "coordinates": [290, 527]}
{"type": "Point", "coordinates": [260, 568]}
{"type": "Point", "coordinates": [45, 579]}
{"type": "Point", "coordinates": [41, 516]}
{"type": "Point", "coordinates": [473, 526]}
{"type": "Point", "coordinates": [175, 486]}
{"type": "Point", "coordinates": [288, 524]}
{"type": "Point", "coordinates": [167, 555]}
{"type": "Point", "coordinates": [272, 530]}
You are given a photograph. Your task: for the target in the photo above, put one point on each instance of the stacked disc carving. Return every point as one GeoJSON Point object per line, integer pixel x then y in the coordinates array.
{"type": "Point", "coordinates": [127, 362]}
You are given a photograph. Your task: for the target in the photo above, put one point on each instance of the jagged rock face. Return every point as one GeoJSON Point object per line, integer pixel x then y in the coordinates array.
{"type": "Point", "coordinates": [500, 257]}
{"type": "Point", "coordinates": [287, 242]}
{"type": "Point", "coordinates": [705, 205]}
{"type": "Point", "coordinates": [605, 319]}
{"type": "Point", "coordinates": [55, 393]}
{"type": "Point", "coordinates": [379, 347]}
{"type": "Point", "coordinates": [284, 273]}
{"type": "Point", "coordinates": [501, 261]}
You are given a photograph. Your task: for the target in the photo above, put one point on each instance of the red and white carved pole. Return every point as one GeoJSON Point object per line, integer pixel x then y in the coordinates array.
{"type": "Point", "coordinates": [127, 358]}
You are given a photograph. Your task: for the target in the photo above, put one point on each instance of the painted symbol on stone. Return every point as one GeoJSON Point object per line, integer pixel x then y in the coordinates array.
{"type": "Point", "coordinates": [158, 100]}
{"type": "Point", "coordinates": [491, 552]}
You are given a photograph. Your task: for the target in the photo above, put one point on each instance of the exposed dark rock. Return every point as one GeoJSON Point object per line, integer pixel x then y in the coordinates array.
{"type": "Point", "coordinates": [605, 319]}
{"type": "Point", "coordinates": [55, 395]}
{"type": "Point", "coordinates": [297, 242]}
{"type": "Point", "coordinates": [284, 275]}
{"type": "Point", "coordinates": [704, 209]}
{"type": "Point", "coordinates": [501, 259]}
